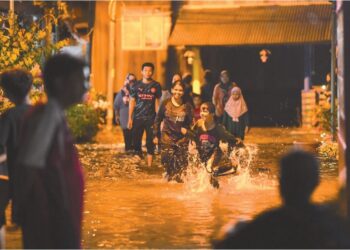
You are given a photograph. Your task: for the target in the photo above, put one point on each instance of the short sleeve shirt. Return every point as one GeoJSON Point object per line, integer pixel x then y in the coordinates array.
{"type": "Point", "coordinates": [174, 119]}
{"type": "Point", "coordinates": [145, 95]}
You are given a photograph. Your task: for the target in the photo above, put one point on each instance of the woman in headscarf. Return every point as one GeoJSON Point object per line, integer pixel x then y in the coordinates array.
{"type": "Point", "coordinates": [221, 93]}
{"type": "Point", "coordinates": [121, 107]}
{"type": "Point", "coordinates": [235, 118]}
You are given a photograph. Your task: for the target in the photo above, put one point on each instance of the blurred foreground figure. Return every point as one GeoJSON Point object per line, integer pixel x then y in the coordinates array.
{"type": "Point", "coordinates": [49, 183]}
{"type": "Point", "coordinates": [16, 84]}
{"type": "Point", "coordinates": [297, 223]}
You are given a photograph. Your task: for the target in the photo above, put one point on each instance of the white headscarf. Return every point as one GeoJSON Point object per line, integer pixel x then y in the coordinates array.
{"type": "Point", "coordinates": [236, 108]}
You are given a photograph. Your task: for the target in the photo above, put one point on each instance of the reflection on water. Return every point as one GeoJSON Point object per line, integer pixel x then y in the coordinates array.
{"type": "Point", "coordinates": [136, 208]}
{"type": "Point", "coordinates": [128, 205]}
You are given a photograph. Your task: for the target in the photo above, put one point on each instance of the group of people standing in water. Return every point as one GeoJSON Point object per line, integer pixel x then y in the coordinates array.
{"type": "Point", "coordinates": [174, 117]}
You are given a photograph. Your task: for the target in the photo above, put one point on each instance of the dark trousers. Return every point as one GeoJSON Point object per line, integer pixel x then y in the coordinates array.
{"type": "Point", "coordinates": [4, 200]}
{"type": "Point", "coordinates": [174, 158]}
{"type": "Point", "coordinates": [139, 126]}
{"type": "Point", "coordinates": [127, 134]}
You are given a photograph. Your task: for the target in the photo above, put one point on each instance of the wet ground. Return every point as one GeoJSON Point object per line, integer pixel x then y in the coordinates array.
{"type": "Point", "coordinates": [128, 205]}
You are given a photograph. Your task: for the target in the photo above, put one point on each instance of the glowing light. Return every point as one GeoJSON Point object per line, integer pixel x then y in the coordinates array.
{"type": "Point", "coordinates": [196, 87]}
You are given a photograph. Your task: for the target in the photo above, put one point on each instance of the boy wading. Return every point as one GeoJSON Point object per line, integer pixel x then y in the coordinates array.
{"type": "Point", "coordinates": [144, 102]}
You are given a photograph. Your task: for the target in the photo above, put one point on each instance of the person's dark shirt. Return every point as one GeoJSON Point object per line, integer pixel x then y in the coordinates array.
{"type": "Point", "coordinates": [187, 98]}
{"type": "Point", "coordinates": [207, 92]}
{"type": "Point", "coordinates": [174, 119]}
{"type": "Point", "coordinates": [49, 200]}
{"type": "Point", "coordinates": [287, 227]}
{"type": "Point", "coordinates": [145, 95]}
{"type": "Point", "coordinates": [10, 126]}
{"type": "Point", "coordinates": [208, 141]}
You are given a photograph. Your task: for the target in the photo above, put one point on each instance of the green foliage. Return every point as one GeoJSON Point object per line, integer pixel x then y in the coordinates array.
{"type": "Point", "coordinates": [329, 150]}
{"type": "Point", "coordinates": [24, 46]}
{"type": "Point", "coordinates": [99, 102]}
{"type": "Point", "coordinates": [5, 103]}
{"type": "Point", "coordinates": [324, 116]}
{"type": "Point", "coordinates": [83, 120]}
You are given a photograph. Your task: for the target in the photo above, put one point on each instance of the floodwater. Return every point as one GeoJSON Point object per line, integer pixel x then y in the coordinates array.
{"type": "Point", "coordinates": [128, 205]}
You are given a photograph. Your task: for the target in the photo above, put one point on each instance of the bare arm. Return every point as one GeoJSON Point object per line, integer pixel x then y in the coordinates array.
{"type": "Point", "coordinates": [157, 104]}
{"type": "Point", "coordinates": [132, 104]}
{"type": "Point", "coordinates": [3, 158]}
{"type": "Point", "coordinates": [157, 122]}
{"type": "Point", "coordinates": [117, 107]}
{"type": "Point", "coordinates": [214, 96]}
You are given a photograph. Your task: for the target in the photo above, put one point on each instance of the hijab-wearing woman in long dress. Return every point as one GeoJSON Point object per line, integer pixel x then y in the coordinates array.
{"type": "Point", "coordinates": [236, 119]}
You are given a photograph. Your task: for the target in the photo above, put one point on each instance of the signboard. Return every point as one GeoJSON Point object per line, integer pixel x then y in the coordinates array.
{"type": "Point", "coordinates": [144, 30]}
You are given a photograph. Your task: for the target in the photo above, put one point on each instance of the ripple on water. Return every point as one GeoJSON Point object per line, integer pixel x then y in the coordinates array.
{"type": "Point", "coordinates": [137, 208]}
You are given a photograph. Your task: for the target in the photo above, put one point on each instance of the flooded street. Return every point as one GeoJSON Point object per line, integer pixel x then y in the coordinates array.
{"type": "Point", "coordinates": [128, 205]}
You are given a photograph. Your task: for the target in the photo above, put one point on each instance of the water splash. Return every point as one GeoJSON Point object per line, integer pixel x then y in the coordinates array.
{"type": "Point", "coordinates": [245, 158]}
{"type": "Point", "coordinates": [198, 180]}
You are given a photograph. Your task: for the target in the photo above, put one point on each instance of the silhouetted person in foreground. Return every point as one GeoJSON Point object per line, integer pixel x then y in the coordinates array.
{"type": "Point", "coordinates": [16, 84]}
{"type": "Point", "coordinates": [49, 183]}
{"type": "Point", "coordinates": [297, 223]}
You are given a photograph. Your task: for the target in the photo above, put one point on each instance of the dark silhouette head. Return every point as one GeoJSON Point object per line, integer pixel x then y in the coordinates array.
{"type": "Point", "coordinates": [16, 84]}
{"type": "Point", "coordinates": [176, 77]}
{"type": "Point", "coordinates": [209, 106]}
{"type": "Point", "coordinates": [66, 79]}
{"type": "Point", "coordinates": [299, 177]}
{"type": "Point", "coordinates": [208, 76]}
{"type": "Point", "coordinates": [187, 78]}
{"type": "Point", "coordinates": [176, 83]}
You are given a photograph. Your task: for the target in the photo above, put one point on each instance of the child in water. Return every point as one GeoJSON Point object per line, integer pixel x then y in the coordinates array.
{"type": "Point", "coordinates": [207, 135]}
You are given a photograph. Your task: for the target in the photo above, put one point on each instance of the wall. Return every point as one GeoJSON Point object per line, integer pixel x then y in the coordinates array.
{"type": "Point", "coordinates": [126, 60]}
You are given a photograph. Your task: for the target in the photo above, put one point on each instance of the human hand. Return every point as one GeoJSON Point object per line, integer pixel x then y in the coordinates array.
{"type": "Point", "coordinates": [130, 123]}
{"type": "Point", "coordinates": [117, 120]}
{"type": "Point", "coordinates": [183, 131]}
{"type": "Point", "coordinates": [201, 124]}
{"type": "Point", "coordinates": [155, 140]}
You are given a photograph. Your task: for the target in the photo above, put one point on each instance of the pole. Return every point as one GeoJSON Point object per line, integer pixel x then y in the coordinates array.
{"type": "Point", "coordinates": [333, 66]}
{"type": "Point", "coordinates": [307, 67]}
{"type": "Point", "coordinates": [12, 5]}
{"type": "Point", "coordinates": [12, 13]}
{"type": "Point", "coordinates": [111, 49]}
